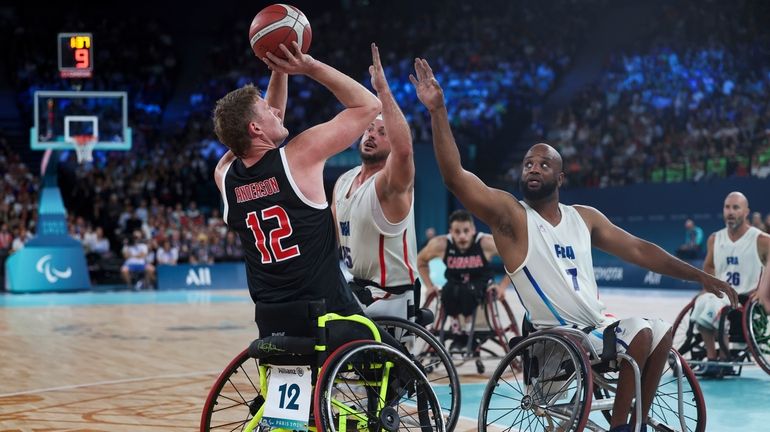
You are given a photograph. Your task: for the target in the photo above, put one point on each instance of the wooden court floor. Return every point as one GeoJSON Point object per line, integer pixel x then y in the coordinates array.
{"type": "Point", "coordinates": [131, 367]}
{"type": "Point", "coordinates": [134, 367]}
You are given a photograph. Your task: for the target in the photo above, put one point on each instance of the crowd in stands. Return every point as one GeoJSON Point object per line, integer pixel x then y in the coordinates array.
{"type": "Point", "coordinates": [692, 105]}
{"type": "Point", "coordinates": [499, 56]}
{"type": "Point", "coordinates": [682, 107]}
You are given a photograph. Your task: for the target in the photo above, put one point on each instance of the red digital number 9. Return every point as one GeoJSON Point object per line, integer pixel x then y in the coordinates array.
{"type": "Point", "coordinates": [81, 58]}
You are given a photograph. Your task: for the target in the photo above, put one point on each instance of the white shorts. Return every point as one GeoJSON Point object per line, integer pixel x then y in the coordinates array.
{"type": "Point", "coordinates": [707, 309]}
{"type": "Point", "coordinates": [626, 330]}
{"type": "Point", "coordinates": [388, 305]}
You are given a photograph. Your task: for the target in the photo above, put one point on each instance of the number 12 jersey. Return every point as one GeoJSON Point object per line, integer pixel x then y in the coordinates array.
{"type": "Point", "coordinates": [289, 241]}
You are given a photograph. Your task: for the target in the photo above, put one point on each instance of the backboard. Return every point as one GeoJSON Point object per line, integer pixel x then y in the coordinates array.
{"type": "Point", "coordinates": [61, 115]}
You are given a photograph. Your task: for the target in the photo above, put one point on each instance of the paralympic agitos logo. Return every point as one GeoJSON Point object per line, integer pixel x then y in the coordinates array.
{"type": "Point", "coordinates": [51, 274]}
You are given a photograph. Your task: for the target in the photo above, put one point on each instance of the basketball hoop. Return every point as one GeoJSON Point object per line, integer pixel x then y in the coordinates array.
{"type": "Point", "coordinates": [84, 147]}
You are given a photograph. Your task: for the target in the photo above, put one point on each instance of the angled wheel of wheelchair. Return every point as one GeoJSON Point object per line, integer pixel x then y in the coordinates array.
{"type": "Point", "coordinates": [500, 317]}
{"type": "Point", "coordinates": [364, 385]}
{"type": "Point", "coordinates": [552, 392]}
{"type": "Point", "coordinates": [687, 341]}
{"type": "Point", "coordinates": [435, 361]}
{"type": "Point", "coordinates": [433, 304]}
{"type": "Point", "coordinates": [235, 396]}
{"type": "Point", "coordinates": [664, 411]}
{"type": "Point", "coordinates": [756, 331]}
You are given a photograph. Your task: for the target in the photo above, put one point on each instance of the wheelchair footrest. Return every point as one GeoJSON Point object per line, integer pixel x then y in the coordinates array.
{"type": "Point", "coordinates": [281, 345]}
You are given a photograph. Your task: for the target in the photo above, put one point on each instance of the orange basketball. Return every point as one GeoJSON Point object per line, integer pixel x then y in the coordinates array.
{"type": "Point", "coordinates": [279, 24]}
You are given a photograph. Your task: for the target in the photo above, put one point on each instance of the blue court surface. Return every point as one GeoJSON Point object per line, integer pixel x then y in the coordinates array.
{"type": "Point", "coordinates": [735, 404]}
{"type": "Point", "coordinates": [117, 298]}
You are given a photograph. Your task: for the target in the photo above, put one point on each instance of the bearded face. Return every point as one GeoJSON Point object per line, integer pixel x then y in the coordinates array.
{"type": "Point", "coordinates": [535, 189]}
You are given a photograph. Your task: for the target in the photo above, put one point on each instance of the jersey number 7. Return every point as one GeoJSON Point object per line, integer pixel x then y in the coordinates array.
{"type": "Point", "coordinates": [275, 235]}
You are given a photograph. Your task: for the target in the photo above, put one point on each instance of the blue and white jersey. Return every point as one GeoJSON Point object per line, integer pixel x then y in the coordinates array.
{"type": "Point", "coordinates": [737, 262]}
{"type": "Point", "coordinates": [556, 283]}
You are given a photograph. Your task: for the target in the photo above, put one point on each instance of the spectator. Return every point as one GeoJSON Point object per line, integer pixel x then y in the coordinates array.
{"type": "Point", "coordinates": [6, 238]}
{"type": "Point", "coordinates": [95, 242]}
{"type": "Point", "coordinates": [693, 241]}
{"type": "Point", "coordinates": [21, 238]}
{"type": "Point", "coordinates": [135, 252]}
{"type": "Point", "coordinates": [233, 248]}
{"type": "Point", "coordinates": [167, 254]}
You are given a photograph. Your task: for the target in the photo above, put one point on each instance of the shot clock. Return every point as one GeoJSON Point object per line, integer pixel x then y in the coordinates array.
{"type": "Point", "coordinates": [76, 55]}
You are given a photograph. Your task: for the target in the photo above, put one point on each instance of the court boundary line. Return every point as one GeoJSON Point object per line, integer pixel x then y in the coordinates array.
{"type": "Point", "coordinates": [100, 383]}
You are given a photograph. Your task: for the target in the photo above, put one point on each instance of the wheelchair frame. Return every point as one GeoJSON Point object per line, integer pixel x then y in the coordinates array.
{"type": "Point", "coordinates": [751, 312]}
{"type": "Point", "coordinates": [496, 332]}
{"type": "Point", "coordinates": [319, 348]}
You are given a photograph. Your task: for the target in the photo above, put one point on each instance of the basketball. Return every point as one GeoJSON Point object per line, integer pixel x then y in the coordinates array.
{"type": "Point", "coordinates": [279, 24]}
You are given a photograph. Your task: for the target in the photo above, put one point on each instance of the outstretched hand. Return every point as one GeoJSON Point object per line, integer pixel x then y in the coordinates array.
{"type": "Point", "coordinates": [428, 89]}
{"type": "Point", "coordinates": [720, 289]}
{"type": "Point", "coordinates": [295, 63]}
{"type": "Point", "coordinates": [379, 82]}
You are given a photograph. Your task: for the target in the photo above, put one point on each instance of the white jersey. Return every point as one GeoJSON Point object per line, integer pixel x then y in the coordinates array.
{"type": "Point", "coordinates": [373, 248]}
{"type": "Point", "coordinates": [556, 283]}
{"type": "Point", "coordinates": [738, 262]}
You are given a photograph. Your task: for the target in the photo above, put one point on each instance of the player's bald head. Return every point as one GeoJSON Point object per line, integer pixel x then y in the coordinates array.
{"type": "Point", "coordinates": [736, 210]}
{"type": "Point", "coordinates": [545, 151]}
{"type": "Point", "coordinates": [739, 198]}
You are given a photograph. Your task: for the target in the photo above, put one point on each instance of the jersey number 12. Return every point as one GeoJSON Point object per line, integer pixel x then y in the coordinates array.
{"type": "Point", "coordinates": [275, 235]}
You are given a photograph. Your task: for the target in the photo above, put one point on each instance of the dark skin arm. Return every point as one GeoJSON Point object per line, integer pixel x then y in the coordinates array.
{"type": "Point", "coordinates": [496, 208]}
{"type": "Point", "coordinates": [610, 238]}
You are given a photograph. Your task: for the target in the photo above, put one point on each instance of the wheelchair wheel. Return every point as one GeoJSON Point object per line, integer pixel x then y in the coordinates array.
{"type": "Point", "coordinates": [235, 397]}
{"type": "Point", "coordinates": [756, 330]}
{"type": "Point", "coordinates": [687, 341]}
{"type": "Point", "coordinates": [433, 303]}
{"type": "Point", "coordinates": [664, 406]}
{"type": "Point", "coordinates": [435, 361]}
{"type": "Point", "coordinates": [364, 385]}
{"type": "Point", "coordinates": [553, 392]}
{"type": "Point", "coordinates": [664, 411]}
{"type": "Point", "coordinates": [500, 317]}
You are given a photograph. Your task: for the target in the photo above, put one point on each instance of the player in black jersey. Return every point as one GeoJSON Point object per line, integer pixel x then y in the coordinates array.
{"type": "Point", "coordinates": [466, 254]}
{"type": "Point", "coordinates": [274, 197]}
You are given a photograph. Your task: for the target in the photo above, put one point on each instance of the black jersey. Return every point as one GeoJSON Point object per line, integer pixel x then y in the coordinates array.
{"type": "Point", "coordinates": [289, 242]}
{"type": "Point", "coordinates": [467, 267]}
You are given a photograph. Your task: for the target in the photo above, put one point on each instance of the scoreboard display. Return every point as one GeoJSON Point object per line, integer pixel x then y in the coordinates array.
{"type": "Point", "coordinates": [76, 55]}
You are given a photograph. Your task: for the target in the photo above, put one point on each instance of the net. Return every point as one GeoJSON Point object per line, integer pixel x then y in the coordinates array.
{"type": "Point", "coordinates": [84, 147]}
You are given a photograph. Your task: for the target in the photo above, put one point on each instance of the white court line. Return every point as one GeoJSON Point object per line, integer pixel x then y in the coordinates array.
{"type": "Point", "coordinates": [99, 383]}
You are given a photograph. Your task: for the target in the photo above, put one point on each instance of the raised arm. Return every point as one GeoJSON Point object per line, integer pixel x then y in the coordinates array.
{"type": "Point", "coordinates": [708, 263]}
{"type": "Point", "coordinates": [435, 248]}
{"type": "Point", "coordinates": [222, 165]}
{"type": "Point", "coordinates": [395, 182]}
{"type": "Point", "coordinates": [763, 291]}
{"type": "Point", "coordinates": [490, 251]}
{"type": "Point", "coordinates": [488, 204]}
{"type": "Point", "coordinates": [610, 238]}
{"type": "Point", "coordinates": [311, 148]}
{"type": "Point", "coordinates": [277, 92]}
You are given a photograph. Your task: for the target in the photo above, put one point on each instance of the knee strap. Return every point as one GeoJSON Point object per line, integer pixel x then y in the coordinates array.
{"type": "Point", "coordinates": [610, 339]}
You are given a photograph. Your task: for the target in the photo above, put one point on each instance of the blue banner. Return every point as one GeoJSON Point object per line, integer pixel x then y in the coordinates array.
{"type": "Point", "coordinates": [616, 273]}
{"type": "Point", "coordinates": [205, 276]}
{"type": "Point", "coordinates": [47, 268]}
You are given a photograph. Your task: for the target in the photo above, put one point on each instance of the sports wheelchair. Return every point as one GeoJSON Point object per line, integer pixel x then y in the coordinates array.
{"type": "Point", "coordinates": [492, 321]}
{"type": "Point", "coordinates": [363, 385]}
{"type": "Point", "coordinates": [743, 332]}
{"type": "Point", "coordinates": [554, 380]}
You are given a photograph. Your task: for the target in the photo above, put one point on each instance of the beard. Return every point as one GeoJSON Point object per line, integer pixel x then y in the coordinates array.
{"type": "Point", "coordinates": [376, 157]}
{"type": "Point", "coordinates": [546, 189]}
